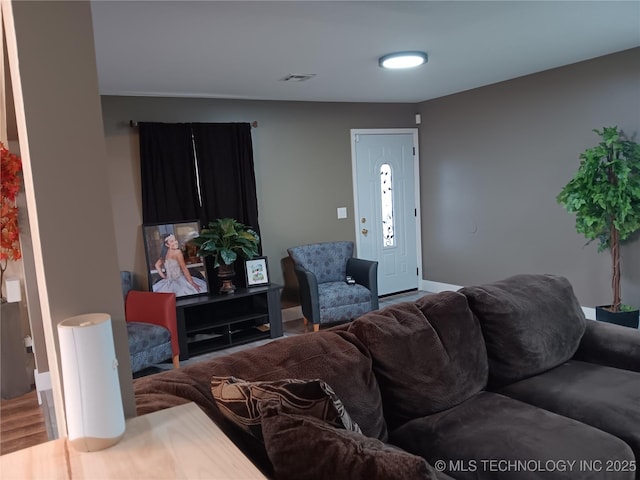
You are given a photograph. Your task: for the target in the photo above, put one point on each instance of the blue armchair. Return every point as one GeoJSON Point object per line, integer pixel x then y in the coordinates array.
{"type": "Point", "coordinates": [325, 297]}
{"type": "Point", "coordinates": [151, 326]}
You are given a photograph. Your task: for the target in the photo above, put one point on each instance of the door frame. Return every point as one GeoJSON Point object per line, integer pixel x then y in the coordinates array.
{"type": "Point", "coordinates": [416, 185]}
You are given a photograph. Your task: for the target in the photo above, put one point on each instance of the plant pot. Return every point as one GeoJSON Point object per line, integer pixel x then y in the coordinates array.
{"type": "Point", "coordinates": [226, 274]}
{"type": "Point", "coordinates": [626, 319]}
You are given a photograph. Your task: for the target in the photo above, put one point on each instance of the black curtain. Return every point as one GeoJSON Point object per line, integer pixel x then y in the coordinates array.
{"type": "Point", "coordinates": [224, 157]}
{"type": "Point", "coordinates": [167, 164]}
{"type": "Point", "coordinates": [227, 178]}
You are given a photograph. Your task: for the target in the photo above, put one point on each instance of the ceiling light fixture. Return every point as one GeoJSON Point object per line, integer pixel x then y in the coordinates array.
{"type": "Point", "coordinates": [403, 60]}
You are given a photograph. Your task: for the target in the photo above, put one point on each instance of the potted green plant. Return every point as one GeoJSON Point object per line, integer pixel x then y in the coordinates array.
{"type": "Point", "coordinates": [226, 239]}
{"type": "Point", "coordinates": [605, 196]}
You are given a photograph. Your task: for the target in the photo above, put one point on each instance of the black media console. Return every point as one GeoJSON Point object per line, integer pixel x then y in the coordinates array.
{"type": "Point", "coordinates": [212, 322]}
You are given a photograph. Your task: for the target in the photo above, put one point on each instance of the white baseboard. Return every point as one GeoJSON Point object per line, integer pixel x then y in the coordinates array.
{"type": "Point", "coordinates": [43, 382]}
{"type": "Point", "coordinates": [437, 287]}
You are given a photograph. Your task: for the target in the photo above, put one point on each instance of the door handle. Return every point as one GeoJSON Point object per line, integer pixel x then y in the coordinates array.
{"type": "Point", "coordinates": [365, 231]}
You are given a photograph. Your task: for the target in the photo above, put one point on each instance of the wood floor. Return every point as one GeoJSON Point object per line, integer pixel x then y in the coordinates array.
{"type": "Point", "coordinates": [22, 423]}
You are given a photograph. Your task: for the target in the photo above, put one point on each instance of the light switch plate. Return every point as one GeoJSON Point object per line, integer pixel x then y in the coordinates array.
{"type": "Point", "coordinates": [342, 212]}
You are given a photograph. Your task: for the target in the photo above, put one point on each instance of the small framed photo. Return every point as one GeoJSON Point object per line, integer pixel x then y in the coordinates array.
{"type": "Point", "coordinates": [257, 272]}
{"type": "Point", "coordinates": [172, 261]}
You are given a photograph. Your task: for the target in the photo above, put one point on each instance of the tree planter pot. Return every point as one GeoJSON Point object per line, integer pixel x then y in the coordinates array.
{"type": "Point", "coordinates": [626, 319]}
{"type": "Point", "coordinates": [226, 274]}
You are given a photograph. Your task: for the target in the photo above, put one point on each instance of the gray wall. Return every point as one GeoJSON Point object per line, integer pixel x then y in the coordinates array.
{"type": "Point", "coordinates": [302, 156]}
{"type": "Point", "coordinates": [494, 159]}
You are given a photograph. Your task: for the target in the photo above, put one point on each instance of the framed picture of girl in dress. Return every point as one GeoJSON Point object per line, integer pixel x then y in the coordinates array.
{"type": "Point", "coordinates": [172, 261]}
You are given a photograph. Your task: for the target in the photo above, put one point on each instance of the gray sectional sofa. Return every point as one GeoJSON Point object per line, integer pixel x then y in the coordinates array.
{"type": "Point", "coordinates": [504, 380]}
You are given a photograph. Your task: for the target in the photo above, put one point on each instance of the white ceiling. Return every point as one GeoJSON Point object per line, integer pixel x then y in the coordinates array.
{"type": "Point", "coordinates": [241, 49]}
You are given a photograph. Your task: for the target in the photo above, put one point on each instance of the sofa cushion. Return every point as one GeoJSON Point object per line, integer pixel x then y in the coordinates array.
{"type": "Point", "coordinates": [530, 323]}
{"type": "Point", "coordinates": [242, 402]}
{"type": "Point", "coordinates": [339, 301]}
{"type": "Point", "coordinates": [332, 452]}
{"type": "Point", "coordinates": [192, 384]}
{"type": "Point", "coordinates": [491, 436]}
{"type": "Point", "coordinates": [428, 356]}
{"type": "Point", "coordinates": [603, 397]}
{"type": "Point", "coordinates": [327, 261]}
{"type": "Point", "coordinates": [338, 358]}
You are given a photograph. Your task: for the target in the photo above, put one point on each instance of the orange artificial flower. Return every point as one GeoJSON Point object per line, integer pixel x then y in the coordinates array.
{"type": "Point", "coordinates": [11, 166]}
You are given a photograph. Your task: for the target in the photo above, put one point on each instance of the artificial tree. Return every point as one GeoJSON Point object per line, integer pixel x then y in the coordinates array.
{"type": "Point", "coordinates": [605, 196]}
{"type": "Point", "coordinates": [10, 168]}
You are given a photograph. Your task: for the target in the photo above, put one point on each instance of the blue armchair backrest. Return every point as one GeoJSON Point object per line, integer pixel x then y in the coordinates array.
{"type": "Point", "coordinates": [127, 282]}
{"type": "Point", "coordinates": [327, 261]}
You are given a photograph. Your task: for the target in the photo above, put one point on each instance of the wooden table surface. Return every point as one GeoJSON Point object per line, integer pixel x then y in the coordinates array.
{"type": "Point", "coordinates": [179, 442]}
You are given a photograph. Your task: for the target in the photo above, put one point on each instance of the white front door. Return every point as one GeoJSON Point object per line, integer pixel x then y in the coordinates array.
{"type": "Point", "coordinates": [385, 171]}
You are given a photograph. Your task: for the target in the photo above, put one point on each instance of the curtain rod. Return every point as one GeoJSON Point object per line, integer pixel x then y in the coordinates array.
{"type": "Point", "coordinates": [134, 124]}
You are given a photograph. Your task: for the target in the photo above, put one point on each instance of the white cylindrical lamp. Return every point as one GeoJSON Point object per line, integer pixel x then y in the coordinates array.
{"type": "Point", "coordinates": [93, 403]}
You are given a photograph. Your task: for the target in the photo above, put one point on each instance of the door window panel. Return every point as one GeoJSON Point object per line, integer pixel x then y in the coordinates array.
{"type": "Point", "coordinates": [386, 189]}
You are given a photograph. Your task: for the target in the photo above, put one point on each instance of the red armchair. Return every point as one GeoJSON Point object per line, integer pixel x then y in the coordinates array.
{"type": "Point", "coordinates": [148, 344]}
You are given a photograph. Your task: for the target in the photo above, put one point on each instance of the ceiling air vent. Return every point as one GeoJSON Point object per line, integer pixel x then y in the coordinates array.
{"type": "Point", "coordinates": [298, 77]}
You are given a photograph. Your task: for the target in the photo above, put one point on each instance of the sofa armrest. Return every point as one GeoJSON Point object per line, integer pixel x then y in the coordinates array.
{"type": "Point", "coordinates": [309, 298]}
{"type": "Point", "coordinates": [365, 273]}
{"type": "Point", "coordinates": [610, 345]}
